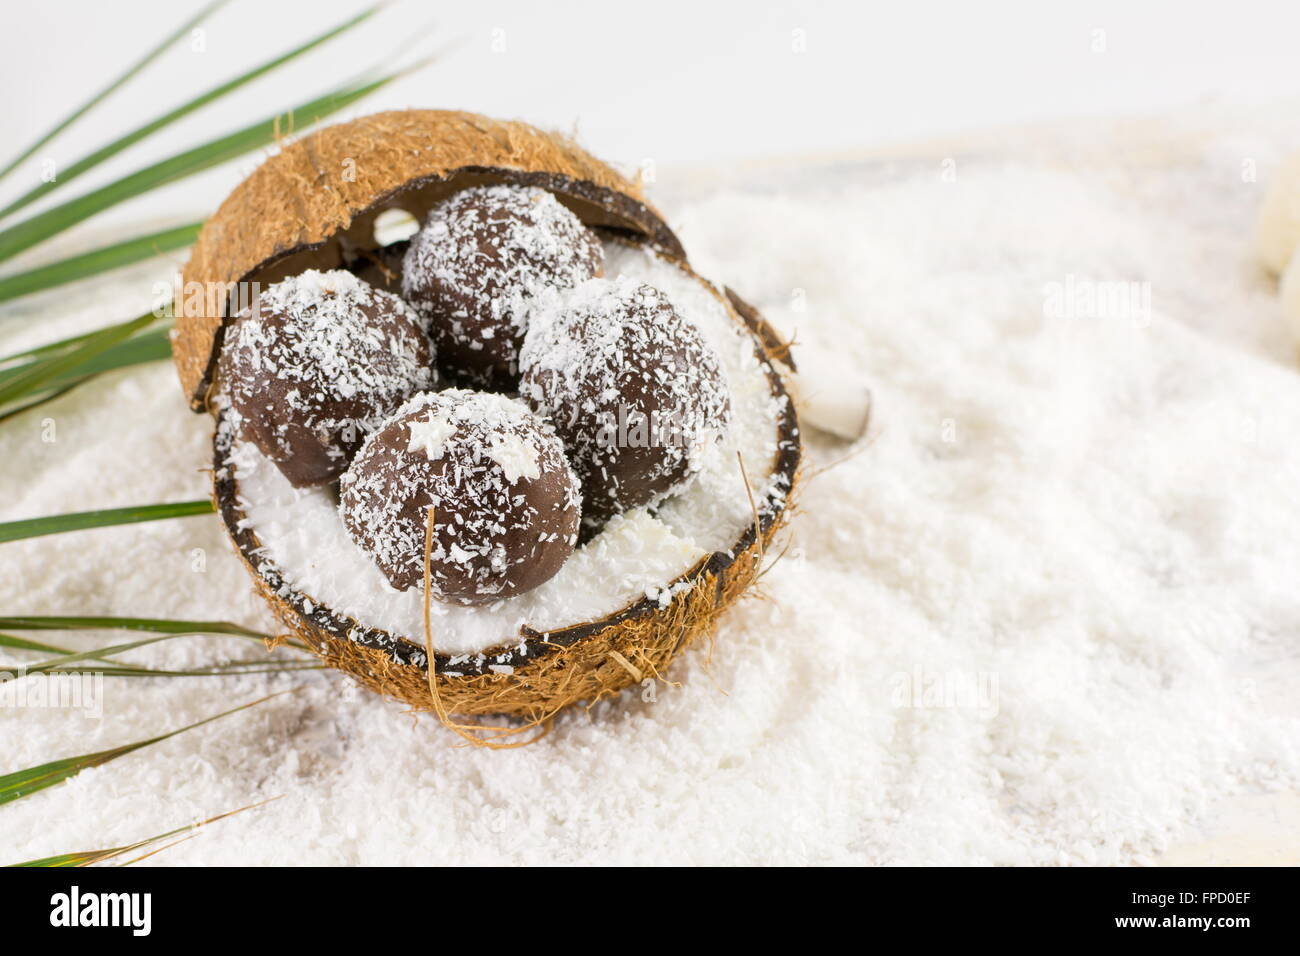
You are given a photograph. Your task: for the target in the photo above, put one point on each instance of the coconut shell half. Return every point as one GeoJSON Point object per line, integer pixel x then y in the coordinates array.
{"type": "Point", "coordinates": [297, 211]}
{"type": "Point", "coordinates": [313, 205]}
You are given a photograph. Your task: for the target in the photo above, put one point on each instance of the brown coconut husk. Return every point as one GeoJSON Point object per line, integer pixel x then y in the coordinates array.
{"type": "Point", "coordinates": [411, 160]}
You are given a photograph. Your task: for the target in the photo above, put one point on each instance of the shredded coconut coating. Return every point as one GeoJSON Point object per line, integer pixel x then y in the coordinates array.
{"type": "Point", "coordinates": [633, 389]}
{"type": "Point", "coordinates": [478, 263]}
{"type": "Point", "coordinates": [506, 502]}
{"type": "Point", "coordinates": [635, 554]}
{"type": "Point", "coordinates": [316, 363]}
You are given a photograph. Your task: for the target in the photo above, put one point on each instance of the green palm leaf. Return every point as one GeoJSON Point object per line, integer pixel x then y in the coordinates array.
{"type": "Point", "coordinates": [152, 345]}
{"type": "Point", "coordinates": [149, 346]}
{"type": "Point", "coordinates": [89, 857]}
{"type": "Point", "coordinates": [42, 226]}
{"type": "Point", "coordinates": [114, 86]}
{"type": "Point", "coordinates": [153, 624]}
{"type": "Point", "coordinates": [133, 137]}
{"type": "Point", "coordinates": [23, 644]}
{"type": "Point", "coordinates": [166, 629]}
{"type": "Point", "coordinates": [59, 663]}
{"type": "Point", "coordinates": [40, 399]}
{"type": "Point", "coordinates": [247, 667]}
{"type": "Point", "coordinates": [57, 524]}
{"type": "Point", "coordinates": [46, 349]}
{"type": "Point", "coordinates": [45, 373]}
{"type": "Point", "coordinates": [92, 263]}
{"type": "Point", "coordinates": [22, 783]}
{"type": "Point", "coordinates": [23, 382]}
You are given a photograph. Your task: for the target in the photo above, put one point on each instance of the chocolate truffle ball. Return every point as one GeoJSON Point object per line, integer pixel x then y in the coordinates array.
{"type": "Point", "coordinates": [315, 364]}
{"type": "Point", "coordinates": [631, 387]}
{"type": "Point", "coordinates": [506, 503]}
{"type": "Point", "coordinates": [481, 258]}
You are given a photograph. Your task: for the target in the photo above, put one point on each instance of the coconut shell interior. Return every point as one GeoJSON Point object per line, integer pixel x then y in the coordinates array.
{"type": "Point", "coordinates": [328, 625]}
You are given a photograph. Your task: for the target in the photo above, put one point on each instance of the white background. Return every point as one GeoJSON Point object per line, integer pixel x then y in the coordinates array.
{"type": "Point", "coordinates": [676, 82]}
{"type": "Point", "coordinates": [680, 83]}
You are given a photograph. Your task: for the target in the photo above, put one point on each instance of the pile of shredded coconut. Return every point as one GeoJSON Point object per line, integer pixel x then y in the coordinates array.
{"type": "Point", "coordinates": [1047, 613]}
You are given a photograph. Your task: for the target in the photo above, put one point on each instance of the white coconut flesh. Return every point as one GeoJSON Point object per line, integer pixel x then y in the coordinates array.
{"type": "Point", "coordinates": [637, 555]}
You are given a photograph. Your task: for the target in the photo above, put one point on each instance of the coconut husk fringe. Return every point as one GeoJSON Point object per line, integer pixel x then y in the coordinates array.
{"type": "Point", "coordinates": [599, 665]}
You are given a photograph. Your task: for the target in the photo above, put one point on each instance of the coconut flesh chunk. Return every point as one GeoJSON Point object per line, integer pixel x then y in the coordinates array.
{"type": "Point", "coordinates": [640, 554]}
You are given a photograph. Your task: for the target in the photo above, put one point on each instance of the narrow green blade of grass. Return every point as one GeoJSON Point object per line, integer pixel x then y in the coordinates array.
{"type": "Point", "coordinates": [39, 375]}
{"type": "Point", "coordinates": [59, 663]}
{"type": "Point", "coordinates": [101, 653]}
{"type": "Point", "coordinates": [235, 665]}
{"type": "Point", "coordinates": [40, 398]}
{"type": "Point", "coordinates": [58, 524]}
{"type": "Point", "coordinates": [89, 857]}
{"type": "Point", "coordinates": [22, 644]}
{"type": "Point", "coordinates": [23, 783]}
{"type": "Point", "coordinates": [93, 263]}
{"type": "Point", "coordinates": [42, 226]}
{"type": "Point", "coordinates": [152, 624]}
{"type": "Point", "coordinates": [267, 667]}
{"type": "Point", "coordinates": [84, 858]}
{"type": "Point", "coordinates": [112, 149]}
{"type": "Point", "coordinates": [103, 94]}
{"type": "Point", "coordinates": [169, 626]}
{"type": "Point", "coordinates": [164, 629]}
{"type": "Point", "coordinates": [157, 850]}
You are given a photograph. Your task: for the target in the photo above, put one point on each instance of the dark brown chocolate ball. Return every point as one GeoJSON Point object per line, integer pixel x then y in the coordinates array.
{"type": "Point", "coordinates": [315, 364]}
{"type": "Point", "coordinates": [506, 503]}
{"type": "Point", "coordinates": [483, 256]}
{"type": "Point", "coordinates": [632, 389]}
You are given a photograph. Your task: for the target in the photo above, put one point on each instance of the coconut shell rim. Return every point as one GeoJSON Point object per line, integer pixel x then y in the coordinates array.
{"type": "Point", "coordinates": [535, 645]}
